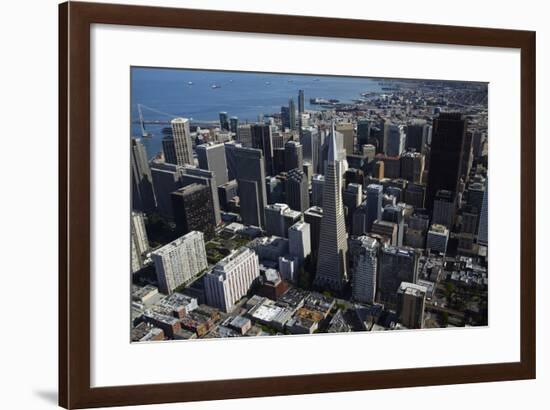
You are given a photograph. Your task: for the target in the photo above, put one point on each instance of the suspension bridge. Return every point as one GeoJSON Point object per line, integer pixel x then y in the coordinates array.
{"type": "Point", "coordinates": [165, 120]}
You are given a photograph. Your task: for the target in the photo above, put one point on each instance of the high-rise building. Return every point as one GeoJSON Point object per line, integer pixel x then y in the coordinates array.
{"type": "Point", "coordinates": [293, 156]}
{"type": "Point", "coordinates": [250, 175]}
{"type": "Point", "coordinates": [211, 156]}
{"type": "Point", "coordinates": [414, 195]}
{"type": "Point", "coordinates": [363, 132]}
{"type": "Point", "coordinates": [369, 152]}
{"type": "Point", "coordinates": [346, 129]}
{"type": "Point", "coordinates": [386, 229]}
{"type": "Point", "coordinates": [313, 216]}
{"type": "Point", "coordinates": [365, 266]}
{"type": "Point", "coordinates": [226, 193]}
{"type": "Point", "coordinates": [352, 198]}
{"type": "Point", "coordinates": [411, 299]}
{"type": "Point", "coordinates": [395, 214]}
{"type": "Point", "coordinates": [182, 141]}
{"type": "Point", "coordinates": [166, 179]}
{"type": "Point", "coordinates": [311, 141]}
{"type": "Point", "coordinates": [299, 241]}
{"type": "Point", "coordinates": [416, 135]}
{"type": "Point", "coordinates": [317, 187]}
{"type": "Point", "coordinates": [244, 135]}
{"type": "Point", "coordinates": [143, 196]}
{"type": "Point", "coordinates": [274, 221]}
{"type": "Point", "coordinates": [191, 175]}
{"type": "Point", "coordinates": [412, 166]}
{"type": "Point", "coordinates": [224, 121]}
{"type": "Point", "coordinates": [394, 138]}
{"type": "Point", "coordinates": [231, 278]}
{"type": "Point", "coordinates": [396, 265]}
{"type": "Point", "coordinates": [444, 206]}
{"type": "Point", "coordinates": [301, 102]}
{"type": "Point", "coordinates": [275, 188]}
{"type": "Point", "coordinates": [234, 124]}
{"type": "Point", "coordinates": [416, 231]}
{"type": "Point", "coordinates": [331, 261]}
{"type": "Point", "coordinates": [483, 232]}
{"type": "Point", "coordinates": [169, 150]}
{"type": "Point", "coordinates": [374, 204]}
{"type": "Point", "coordinates": [449, 130]}
{"type": "Point", "coordinates": [193, 209]}
{"type": "Point", "coordinates": [178, 262]}
{"type": "Point", "coordinates": [262, 139]}
{"type": "Point", "coordinates": [297, 190]}
{"type": "Point", "coordinates": [359, 220]}
{"type": "Point", "coordinates": [139, 242]}
{"type": "Point", "coordinates": [438, 237]}
{"type": "Point", "coordinates": [292, 114]}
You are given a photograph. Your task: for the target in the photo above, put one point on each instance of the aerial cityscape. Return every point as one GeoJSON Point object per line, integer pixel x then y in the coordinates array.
{"type": "Point", "coordinates": [279, 204]}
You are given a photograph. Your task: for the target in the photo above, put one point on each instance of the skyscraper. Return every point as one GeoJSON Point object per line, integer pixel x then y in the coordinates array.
{"type": "Point", "coordinates": [317, 187]}
{"type": "Point", "coordinates": [193, 209]}
{"type": "Point", "coordinates": [449, 131]}
{"type": "Point", "coordinates": [292, 114]}
{"type": "Point", "coordinates": [234, 124]}
{"type": "Point", "coordinates": [396, 265]}
{"type": "Point", "coordinates": [211, 156]}
{"type": "Point", "coordinates": [394, 139]}
{"type": "Point", "coordinates": [365, 266]}
{"type": "Point", "coordinates": [301, 102]}
{"type": "Point", "coordinates": [178, 262]}
{"type": "Point", "coordinates": [190, 175]}
{"type": "Point", "coordinates": [297, 190]}
{"type": "Point", "coordinates": [143, 197]}
{"type": "Point", "coordinates": [395, 214]}
{"type": "Point", "coordinates": [182, 141]}
{"type": "Point", "coordinates": [444, 207]}
{"type": "Point", "coordinates": [416, 135]}
{"type": "Point", "coordinates": [250, 175]}
{"type": "Point", "coordinates": [299, 241]}
{"type": "Point", "coordinates": [169, 150]}
{"type": "Point", "coordinates": [224, 121]}
{"type": "Point", "coordinates": [244, 135]}
{"type": "Point", "coordinates": [412, 166]}
{"type": "Point", "coordinates": [411, 299]}
{"type": "Point", "coordinates": [331, 261]}
{"type": "Point", "coordinates": [483, 232]}
{"type": "Point", "coordinates": [293, 156]}
{"type": "Point", "coordinates": [314, 216]}
{"type": "Point", "coordinates": [346, 129]}
{"type": "Point", "coordinates": [311, 141]}
{"type": "Point", "coordinates": [363, 132]}
{"type": "Point", "coordinates": [262, 139]}
{"type": "Point", "coordinates": [374, 204]}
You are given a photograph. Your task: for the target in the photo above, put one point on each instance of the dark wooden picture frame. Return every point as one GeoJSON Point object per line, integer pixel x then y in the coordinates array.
{"type": "Point", "coordinates": [75, 20]}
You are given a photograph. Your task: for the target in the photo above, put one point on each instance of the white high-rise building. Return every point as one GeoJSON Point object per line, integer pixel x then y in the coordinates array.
{"type": "Point", "coordinates": [182, 141]}
{"type": "Point", "coordinates": [365, 265]}
{"type": "Point", "coordinates": [333, 245]}
{"type": "Point", "coordinates": [178, 262]}
{"type": "Point", "coordinates": [299, 241]}
{"type": "Point", "coordinates": [394, 139]}
{"type": "Point", "coordinates": [231, 278]}
{"type": "Point", "coordinates": [140, 243]}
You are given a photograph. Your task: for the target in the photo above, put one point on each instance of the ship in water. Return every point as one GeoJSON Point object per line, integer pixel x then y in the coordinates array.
{"type": "Point", "coordinates": [323, 101]}
{"type": "Point", "coordinates": [189, 82]}
{"type": "Point", "coordinates": [214, 86]}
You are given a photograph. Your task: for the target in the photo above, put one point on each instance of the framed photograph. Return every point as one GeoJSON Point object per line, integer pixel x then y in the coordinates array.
{"type": "Point", "coordinates": [259, 205]}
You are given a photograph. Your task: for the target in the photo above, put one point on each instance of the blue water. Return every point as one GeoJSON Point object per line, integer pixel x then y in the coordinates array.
{"type": "Point", "coordinates": [244, 95]}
